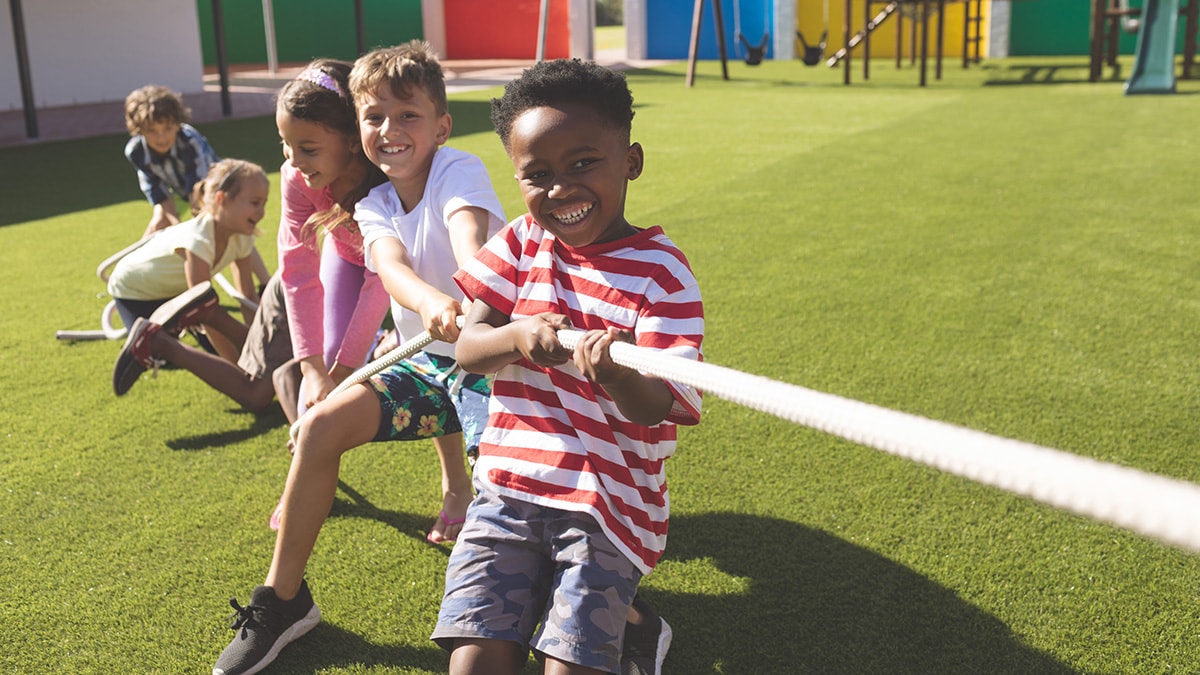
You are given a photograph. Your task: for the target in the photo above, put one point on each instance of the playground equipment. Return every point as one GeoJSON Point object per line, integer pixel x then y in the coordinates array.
{"type": "Point", "coordinates": [863, 34]}
{"type": "Point", "coordinates": [1154, 67]}
{"type": "Point", "coordinates": [694, 45]}
{"type": "Point", "coordinates": [813, 55]}
{"type": "Point", "coordinates": [754, 53]}
{"type": "Point", "coordinates": [919, 12]}
{"type": "Point", "coordinates": [1157, 27]}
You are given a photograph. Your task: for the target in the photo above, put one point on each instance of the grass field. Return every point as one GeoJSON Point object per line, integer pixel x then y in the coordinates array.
{"type": "Point", "coordinates": [1011, 249]}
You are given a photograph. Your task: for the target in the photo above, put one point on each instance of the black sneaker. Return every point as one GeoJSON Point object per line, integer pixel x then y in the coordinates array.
{"type": "Point", "coordinates": [646, 643]}
{"type": "Point", "coordinates": [135, 356]}
{"type": "Point", "coordinates": [264, 627]}
{"type": "Point", "coordinates": [183, 310]}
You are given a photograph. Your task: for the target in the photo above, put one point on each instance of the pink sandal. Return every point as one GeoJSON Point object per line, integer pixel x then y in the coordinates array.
{"type": "Point", "coordinates": [449, 522]}
{"type": "Point", "coordinates": [276, 515]}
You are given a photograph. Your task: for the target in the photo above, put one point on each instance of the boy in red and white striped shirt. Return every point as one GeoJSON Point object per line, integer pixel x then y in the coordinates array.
{"type": "Point", "coordinates": [572, 503]}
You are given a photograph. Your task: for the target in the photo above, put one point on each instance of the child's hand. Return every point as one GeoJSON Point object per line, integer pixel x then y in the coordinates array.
{"type": "Point", "coordinates": [537, 339]}
{"type": "Point", "coordinates": [439, 315]}
{"type": "Point", "coordinates": [592, 357]}
{"type": "Point", "coordinates": [316, 388]}
{"type": "Point", "coordinates": [163, 216]}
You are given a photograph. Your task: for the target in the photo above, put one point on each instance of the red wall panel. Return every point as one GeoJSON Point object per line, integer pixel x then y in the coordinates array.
{"type": "Point", "coordinates": [504, 29]}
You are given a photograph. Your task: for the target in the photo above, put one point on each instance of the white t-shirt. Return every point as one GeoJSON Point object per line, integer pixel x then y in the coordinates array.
{"type": "Point", "coordinates": [155, 270]}
{"type": "Point", "coordinates": [457, 179]}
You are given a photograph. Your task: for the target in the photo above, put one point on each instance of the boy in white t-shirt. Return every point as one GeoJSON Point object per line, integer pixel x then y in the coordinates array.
{"type": "Point", "coordinates": [436, 210]}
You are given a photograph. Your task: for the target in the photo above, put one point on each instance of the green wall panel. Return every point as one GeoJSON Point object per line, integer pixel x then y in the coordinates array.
{"type": "Point", "coordinates": [306, 29]}
{"type": "Point", "coordinates": [1051, 27]}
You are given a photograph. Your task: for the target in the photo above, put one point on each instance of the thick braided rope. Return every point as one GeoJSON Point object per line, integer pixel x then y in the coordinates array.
{"type": "Point", "coordinates": [1146, 503]}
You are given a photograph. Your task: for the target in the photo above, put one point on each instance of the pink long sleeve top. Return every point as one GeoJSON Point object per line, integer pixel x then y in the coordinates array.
{"type": "Point", "coordinates": [299, 264]}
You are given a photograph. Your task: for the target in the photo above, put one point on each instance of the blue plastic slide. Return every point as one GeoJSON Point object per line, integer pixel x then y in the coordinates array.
{"type": "Point", "coordinates": [1154, 69]}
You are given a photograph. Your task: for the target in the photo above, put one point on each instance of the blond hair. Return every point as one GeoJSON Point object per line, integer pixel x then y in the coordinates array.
{"type": "Point", "coordinates": [228, 176]}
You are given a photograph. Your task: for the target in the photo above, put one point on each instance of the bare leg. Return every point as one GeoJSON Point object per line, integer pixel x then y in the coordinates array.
{"type": "Point", "coordinates": [490, 657]}
{"type": "Point", "coordinates": [225, 377]}
{"type": "Point", "coordinates": [634, 617]}
{"type": "Point", "coordinates": [456, 488]}
{"type": "Point", "coordinates": [326, 431]}
{"type": "Point", "coordinates": [225, 349]}
{"type": "Point", "coordinates": [286, 380]}
{"type": "Point", "coordinates": [234, 331]}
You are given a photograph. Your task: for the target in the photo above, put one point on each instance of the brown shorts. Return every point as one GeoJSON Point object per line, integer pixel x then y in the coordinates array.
{"type": "Point", "coordinates": [268, 342]}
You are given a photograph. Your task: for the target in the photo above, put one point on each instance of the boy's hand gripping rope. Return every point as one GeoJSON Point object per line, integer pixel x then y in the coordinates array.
{"type": "Point", "coordinates": [1146, 503]}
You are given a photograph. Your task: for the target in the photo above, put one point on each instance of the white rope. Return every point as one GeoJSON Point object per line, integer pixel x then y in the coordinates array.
{"type": "Point", "coordinates": [403, 351]}
{"type": "Point", "coordinates": [1146, 503]}
{"type": "Point", "coordinates": [234, 293]}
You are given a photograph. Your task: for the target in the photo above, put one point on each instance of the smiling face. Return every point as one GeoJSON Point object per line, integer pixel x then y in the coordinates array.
{"type": "Point", "coordinates": [321, 154]}
{"type": "Point", "coordinates": [240, 213]}
{"type": "Point", "coordinates": [400, 136]}
{"type": "Point", "coordinates": [160, 135]}
{"type": "Point", "coordinates": [573, 170]}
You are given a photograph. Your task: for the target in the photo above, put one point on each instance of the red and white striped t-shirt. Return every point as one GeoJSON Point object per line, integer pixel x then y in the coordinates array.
{"type": "Point", "coordinates": [556, 439]}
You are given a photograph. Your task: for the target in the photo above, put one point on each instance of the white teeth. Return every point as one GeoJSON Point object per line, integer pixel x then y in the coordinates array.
{"type": "Point", "coordinates": [574, 216]}
{"type": "Point", "coordinates": [391, 150]}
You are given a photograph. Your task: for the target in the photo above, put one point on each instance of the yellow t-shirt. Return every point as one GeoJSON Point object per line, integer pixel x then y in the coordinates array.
{"type": "Point", "coordinates": [154, 271]}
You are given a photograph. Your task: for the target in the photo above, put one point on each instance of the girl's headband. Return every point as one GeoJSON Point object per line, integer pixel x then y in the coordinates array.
{"type": "Point", "coordinates": [321, 79]}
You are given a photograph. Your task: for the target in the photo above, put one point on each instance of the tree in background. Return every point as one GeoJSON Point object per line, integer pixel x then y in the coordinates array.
{"type": "Point", "coordinates": [609, 12]}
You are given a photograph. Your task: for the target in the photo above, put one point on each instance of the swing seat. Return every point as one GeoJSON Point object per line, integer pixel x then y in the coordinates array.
{"type": "Point", "coordinates": [755, 54]}
{"type": "Point", "coordinates": [812, 55]}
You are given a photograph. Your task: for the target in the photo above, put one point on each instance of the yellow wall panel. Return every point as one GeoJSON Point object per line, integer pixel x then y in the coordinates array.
{"type": "Point", "coordinates": [810, 20]}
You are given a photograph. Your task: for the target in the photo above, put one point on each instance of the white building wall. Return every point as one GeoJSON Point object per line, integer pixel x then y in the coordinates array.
{"type": "Point", "coordinates": [1000, 21]}
{"type": "Point", "coordinates": [636, 42]}
{"type": "Point", "coordinates": [88, 52]}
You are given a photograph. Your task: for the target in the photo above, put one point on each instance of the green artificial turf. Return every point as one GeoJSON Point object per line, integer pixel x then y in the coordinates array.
{"type": "Point", "coordinates": [1011, 249]}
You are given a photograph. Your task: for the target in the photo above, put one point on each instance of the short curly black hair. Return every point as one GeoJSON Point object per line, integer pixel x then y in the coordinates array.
{"type": "Point", "coordinates": [565, 81]}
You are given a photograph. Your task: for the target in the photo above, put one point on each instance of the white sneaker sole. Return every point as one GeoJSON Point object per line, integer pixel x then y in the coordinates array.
{"type": "Point", "coordinates": [664, 643]}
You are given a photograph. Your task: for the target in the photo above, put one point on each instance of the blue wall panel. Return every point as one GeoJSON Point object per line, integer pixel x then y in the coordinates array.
{"type": "Point", "coordinates": [669, 28]}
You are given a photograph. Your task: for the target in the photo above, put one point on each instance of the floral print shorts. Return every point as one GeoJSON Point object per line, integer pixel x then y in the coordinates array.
{"type": "Point", "coordinates": [428, 395]}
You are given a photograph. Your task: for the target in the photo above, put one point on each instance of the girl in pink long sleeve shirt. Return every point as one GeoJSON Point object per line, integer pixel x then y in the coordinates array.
{"type": "Point", "coordinates": [335, 305]}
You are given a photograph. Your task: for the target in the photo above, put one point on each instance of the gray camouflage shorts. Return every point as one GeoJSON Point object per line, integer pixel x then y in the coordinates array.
{"type": "Point", "coordinates": [540, 577]}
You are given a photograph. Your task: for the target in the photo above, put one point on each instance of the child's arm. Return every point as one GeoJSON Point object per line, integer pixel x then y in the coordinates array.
{"type": "Point", "coordinates": [195, 269]}
{"type": "Point", "coordinates": [468, 232]}
{"type": "Point", "coordinates": [244, 271]}
{"type": "Point", "coordinates": [491, 340]}
{"type": "Point", "coordinates": [641, 398]}
{"type": "Point", "coordinates": [164, 215]}
{"type": "Point", "coordinates": [261, 274]}
{"type": "Point", "coordinates": [438, 311]}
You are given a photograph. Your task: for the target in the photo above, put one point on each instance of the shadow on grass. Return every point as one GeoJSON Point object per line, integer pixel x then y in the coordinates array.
{"type": "Point", "coordinates": [1048, 73]}
{"type": "Point", "coordinates": [817, 604]}
{"type": "Point", "coordinates": [814, 604]}
{"type": "Point", "coordinates": [328, 646]}
{"type": "Point", "coordinates": [268, 420]}
{"type": "Point", "coordinates": [471, 117]}
{"type": "Point", "coordinates": [358, 506]}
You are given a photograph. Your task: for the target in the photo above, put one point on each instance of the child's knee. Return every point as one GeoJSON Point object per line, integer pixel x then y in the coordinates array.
{"type": "Point", "coordinates": [328, 430]}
